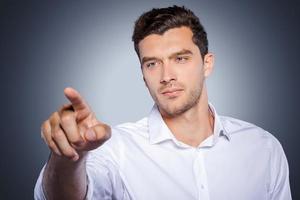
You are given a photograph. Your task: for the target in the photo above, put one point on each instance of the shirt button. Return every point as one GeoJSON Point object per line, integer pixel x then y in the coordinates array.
{"type": "Point", "coordinates": [202, 187]}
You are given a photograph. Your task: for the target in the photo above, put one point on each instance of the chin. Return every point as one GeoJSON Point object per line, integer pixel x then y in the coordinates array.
{"type": "Point", "coordinates": [173, 107]}
{"type": "Point", "coordinates": [173, 110]}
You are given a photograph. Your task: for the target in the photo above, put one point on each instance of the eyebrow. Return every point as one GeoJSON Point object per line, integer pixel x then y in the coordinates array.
{"type": "Point", "coordinates": [146, 59]}
{"type": "Point", "coordinates": [181, 52]}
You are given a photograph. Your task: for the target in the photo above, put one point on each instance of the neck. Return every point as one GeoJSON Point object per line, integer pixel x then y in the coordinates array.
{"type": "Point", "coordinates": [195, 125]}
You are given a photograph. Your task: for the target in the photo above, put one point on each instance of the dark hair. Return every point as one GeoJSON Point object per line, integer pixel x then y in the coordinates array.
{"type": "Point", "coordinates": [159, 20]}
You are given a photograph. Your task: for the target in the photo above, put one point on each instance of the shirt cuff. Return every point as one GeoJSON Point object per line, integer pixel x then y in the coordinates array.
{"type": "Point", "coordinates": [38, 189]}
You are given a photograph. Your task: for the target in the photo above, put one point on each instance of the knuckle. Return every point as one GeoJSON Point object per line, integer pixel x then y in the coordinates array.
{"type": "Point", "coordinates": [66, 117]}
{"type": "Point", "coordinates": [58, 135]}
{"type": "Point", "coordinates": [68, 151]}
{"type": "Point", "coordinates": [43, 134]}
{"type": "Point", "coordinates": [99, 130]}
{"type": "Point", "coordinates": [45, 125]}
{"type": "Point", "coordinates": [64, 107]}
{"type": "Point", "coordinates": [53, 115]}
{"type": "Point", "coordinates": [54, 119]}
{"type": "Point", "coordinates": [104, 131]}
{"type": "Point", "coordinates": [76, 139]}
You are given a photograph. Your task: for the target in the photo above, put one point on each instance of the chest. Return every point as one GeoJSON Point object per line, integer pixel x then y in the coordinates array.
{"type": "Point", "coordinates": [166, 172]}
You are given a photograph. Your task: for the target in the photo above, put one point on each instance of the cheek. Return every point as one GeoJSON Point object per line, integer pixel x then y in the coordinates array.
{"type": "Point", "coordinates": [192, 75]}
{"type": "Point", "coordinates": [151, 79]}
{"type": "Point", "coordinates": [150, 83]}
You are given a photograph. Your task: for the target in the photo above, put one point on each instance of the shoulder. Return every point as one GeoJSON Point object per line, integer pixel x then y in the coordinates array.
{"type": "Point", "coordinates": [132, 128]}
{"type": "Point", "coordinates": [130, 132]}
{"type": "Point", "coordinates": [252, 141]}
{"type": "Point", "coordinates": [123, 136]}
{"type": "Point", "coordinates": [249, 133]}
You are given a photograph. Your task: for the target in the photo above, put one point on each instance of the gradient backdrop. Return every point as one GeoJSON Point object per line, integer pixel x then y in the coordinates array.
{"type": "Point", "coordinates": [48, 45]}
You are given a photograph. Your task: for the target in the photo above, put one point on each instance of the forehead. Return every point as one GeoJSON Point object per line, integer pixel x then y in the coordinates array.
{"type": "Point", "coordinates": [171, 41]}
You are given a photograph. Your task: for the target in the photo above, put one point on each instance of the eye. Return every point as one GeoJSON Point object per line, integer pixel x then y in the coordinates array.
{"type": "Point", "coordinates": [181, 59]}
{"type": "Point", "coordinates": [150, 64]}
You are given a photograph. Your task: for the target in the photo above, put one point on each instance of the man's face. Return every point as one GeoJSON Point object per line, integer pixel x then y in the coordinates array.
{"type": "Point", "coordinates": [173, 70]}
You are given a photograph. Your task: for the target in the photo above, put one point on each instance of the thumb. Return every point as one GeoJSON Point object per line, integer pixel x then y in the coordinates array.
{"type": "Point", "coordinates": [96, 135]}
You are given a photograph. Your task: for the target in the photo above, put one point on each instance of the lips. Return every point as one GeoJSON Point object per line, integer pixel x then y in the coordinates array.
{"type": "Point", "coordinates": [172, 92]}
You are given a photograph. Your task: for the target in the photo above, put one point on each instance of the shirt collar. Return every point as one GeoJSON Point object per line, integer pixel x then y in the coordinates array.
{"type": "Point", "coordinates": [219, 129]}
{"type": "Point", "coordinates": [159, 131]}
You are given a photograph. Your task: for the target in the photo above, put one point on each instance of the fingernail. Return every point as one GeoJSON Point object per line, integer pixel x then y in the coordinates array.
{"type": "Point", "coordinates": [76, 157]}
{"type": "Point", "coordinates": [91, 135]}
{"type": "Point", "coordinates": [57, 152]}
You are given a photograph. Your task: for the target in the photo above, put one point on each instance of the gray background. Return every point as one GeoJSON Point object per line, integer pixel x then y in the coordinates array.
{"type": "Point", "coordinates": [46, 46]}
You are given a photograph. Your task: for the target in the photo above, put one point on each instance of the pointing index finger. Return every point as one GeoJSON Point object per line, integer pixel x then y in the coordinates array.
{"type": "Point", "coordinates": [75, 98]}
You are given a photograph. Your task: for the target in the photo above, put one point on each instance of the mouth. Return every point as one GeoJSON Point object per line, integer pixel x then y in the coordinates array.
{"type": "Point", "coordinates": [171, 93]}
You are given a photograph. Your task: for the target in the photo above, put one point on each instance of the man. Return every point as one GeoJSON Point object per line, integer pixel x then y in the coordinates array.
{"type": "Point", "coordinates": [182, 150]}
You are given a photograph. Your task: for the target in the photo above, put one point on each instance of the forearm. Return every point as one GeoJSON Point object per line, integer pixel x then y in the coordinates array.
{"type": "Point", "coordinates": [69, 132]}
{"type": "Point", "coordinates": [65, 179]}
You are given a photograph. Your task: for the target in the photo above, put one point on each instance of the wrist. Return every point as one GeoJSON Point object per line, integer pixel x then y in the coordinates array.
{"type": "Point", "coordinates": [59, 163]}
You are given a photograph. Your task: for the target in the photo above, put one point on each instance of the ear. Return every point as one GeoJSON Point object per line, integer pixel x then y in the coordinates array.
{"type": "Point", "coordinates": [208, 64]}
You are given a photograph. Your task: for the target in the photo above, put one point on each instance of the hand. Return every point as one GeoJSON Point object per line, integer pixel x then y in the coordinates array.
{"type": "Point", "coordinates": [74, 129]}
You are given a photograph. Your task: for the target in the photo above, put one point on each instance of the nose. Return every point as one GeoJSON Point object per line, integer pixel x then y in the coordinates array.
{"type": "Point", "coordinates": [167, 74]}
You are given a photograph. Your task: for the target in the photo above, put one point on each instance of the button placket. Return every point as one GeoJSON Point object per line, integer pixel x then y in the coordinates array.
{"type": "Point", "coordinates": [200, 175]}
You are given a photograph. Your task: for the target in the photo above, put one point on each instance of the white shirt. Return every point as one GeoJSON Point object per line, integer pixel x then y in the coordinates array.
{"type": "Point", "coordinates": [144, 161]}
